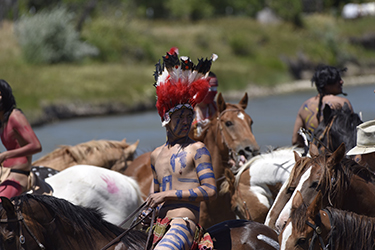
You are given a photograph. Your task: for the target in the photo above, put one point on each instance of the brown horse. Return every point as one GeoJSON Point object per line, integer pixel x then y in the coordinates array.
{"type": "Point", "coordinates": [338, 126]}
{"type": "Point", "coordinates": [228, 136]}
{"type": "Point", "coordinates": [315, 228]}
{"type": "Point", "coordinates": [46, 222]}
{"type": "Point", "coordinates": [343, 183]}
{"type": "Point", "coordinates": [286, 190]}
{"type": "Point", "coordinates": [114, 155]}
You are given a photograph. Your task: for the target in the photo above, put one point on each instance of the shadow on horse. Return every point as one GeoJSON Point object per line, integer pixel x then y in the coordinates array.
{"type": "Point", "coordinates": [110, 154]}
{"type": "Point", "coordinates": [315, 228]}
{"type": "Point", "coordinates": [228, 136]}
{"type": "Point", "coordinates": [44, 222]}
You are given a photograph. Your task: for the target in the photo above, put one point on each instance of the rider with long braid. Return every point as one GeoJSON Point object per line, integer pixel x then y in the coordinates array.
{"type": "Point", "coordinates": [328, 82]}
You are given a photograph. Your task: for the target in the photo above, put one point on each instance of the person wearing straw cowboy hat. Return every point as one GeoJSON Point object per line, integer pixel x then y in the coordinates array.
{"type": "Point", "coordinates": [364, 151]}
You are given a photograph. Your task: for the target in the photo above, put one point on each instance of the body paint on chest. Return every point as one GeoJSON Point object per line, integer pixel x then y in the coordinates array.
{"type": "Point", "coordinates": [182, 159]}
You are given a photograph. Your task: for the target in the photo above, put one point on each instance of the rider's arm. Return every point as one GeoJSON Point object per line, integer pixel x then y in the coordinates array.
{"type": "Point", "coordinates": [296, 138]}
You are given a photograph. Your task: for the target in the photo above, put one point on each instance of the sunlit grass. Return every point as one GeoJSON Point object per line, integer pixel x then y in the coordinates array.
{"type": "Point", "coordinates": [249, 53]}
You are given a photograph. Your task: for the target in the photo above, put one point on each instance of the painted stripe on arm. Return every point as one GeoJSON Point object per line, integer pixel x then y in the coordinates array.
{"type": "Point", "coordinates": [204, 165]}
{"type": "Point", "coordinates": [200, 152]}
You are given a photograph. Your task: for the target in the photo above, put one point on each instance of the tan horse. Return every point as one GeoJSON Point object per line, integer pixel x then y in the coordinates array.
{"type": "Point", "coordinates": [114, 155]}
{"type": "Point", "coordinates": [228, 137]}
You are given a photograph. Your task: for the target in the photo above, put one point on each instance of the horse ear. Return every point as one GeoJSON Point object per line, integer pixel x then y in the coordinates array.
{"type": "Point", "coordinates": [8, 206]}
{"type": "Point", "coordinates": [313, 150]}
{"type": "Point", "coordinates": [297, 200]}
{"type": "Point", "coordinates": [336, 156]}
{"type": "Point", "coordinates": [327, 111]}
{"type": "Point", "coordinates": [244, 101]}
{"type": "Point", "coordinates": [315, 206]}
{"type": "Point", "coordinates": [129, 150]}
{"type": "Point", "coordinates": [221, 103]}
{"type": "Point", "coordinates": [297, 157]}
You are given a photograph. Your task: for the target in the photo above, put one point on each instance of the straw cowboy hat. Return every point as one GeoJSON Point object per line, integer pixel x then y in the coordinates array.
{"type": "Point", "coordinates": [365, 139]}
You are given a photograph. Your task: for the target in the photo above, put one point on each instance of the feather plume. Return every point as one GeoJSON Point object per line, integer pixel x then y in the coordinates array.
{"type": "Point", "coordinates": [179, 81]}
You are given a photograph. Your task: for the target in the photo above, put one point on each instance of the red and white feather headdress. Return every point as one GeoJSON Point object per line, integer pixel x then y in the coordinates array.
{"type": "Point", "coordinates": [179, 83]}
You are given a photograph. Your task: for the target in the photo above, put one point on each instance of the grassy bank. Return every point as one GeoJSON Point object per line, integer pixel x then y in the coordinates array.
{"type": "Point", "coordinates": [249, 54]}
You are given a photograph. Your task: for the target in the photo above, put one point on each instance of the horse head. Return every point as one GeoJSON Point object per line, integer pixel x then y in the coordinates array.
{"type": "Point", "coordinates": [337, 126]}
{"type": "Point", "coordinates": [10, 226]}
{"type": "Point", "coordinates": [343, 183]}
{"type": "Point", "coordinates": [305, 223]}
{"type": "Point", "coordinates": [233, 132]}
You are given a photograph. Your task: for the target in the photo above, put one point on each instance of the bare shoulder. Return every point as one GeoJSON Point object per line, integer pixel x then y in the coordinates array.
{"type": "Point", "coordinates": [333, 100]}
{"type": "Point", "coordinates": [197, 145]}
{"type": "Point", "coordinates": [17, 117]}
{"type": "Point", "coordinates": [156, 152]}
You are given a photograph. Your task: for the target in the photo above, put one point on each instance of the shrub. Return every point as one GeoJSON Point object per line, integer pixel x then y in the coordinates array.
{"type": "Point", "coordinates": [49, 37]}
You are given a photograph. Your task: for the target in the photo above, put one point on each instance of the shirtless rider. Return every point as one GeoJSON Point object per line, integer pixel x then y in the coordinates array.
{"type": "Point", "coordinates": [329, 84]}
{"type": "Point", "coordinates": [182, 170]}
{"type": "Point", "coordinates": [20, 141]}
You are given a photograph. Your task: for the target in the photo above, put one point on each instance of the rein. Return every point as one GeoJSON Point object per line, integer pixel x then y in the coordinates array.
{"type": "Point", "coordinates": [21, 221]}
{"type": "Point", "coordinates": [230, 150]}
{"type": "Point", "coordinates": [133, 225]}
{"type": "Point", "coordinates": [319, 140]}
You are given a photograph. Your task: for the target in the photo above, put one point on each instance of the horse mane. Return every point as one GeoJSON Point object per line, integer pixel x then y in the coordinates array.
{"type": "Point", "coordinates": [355, 231]}
{"type": "Point", "coordinates": [85, 221]}
{"type": "Point", "coordinates": [80, 151]}
{"type": "Point", "coordinates": [299, 167]}
{"type": "Point", "coordinates": [336, 183]}
{"type": "Point", "coordinates": [344, 125]}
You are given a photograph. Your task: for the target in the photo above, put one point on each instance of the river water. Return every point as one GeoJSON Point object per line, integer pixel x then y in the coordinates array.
{"type": "Point", "coordinates": [273, 118]}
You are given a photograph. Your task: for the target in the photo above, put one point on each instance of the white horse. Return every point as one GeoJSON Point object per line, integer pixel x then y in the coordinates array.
{"type": "Point", "coordinates": [258, 180]}
{"type": "Point", "coordinates": [115, 194]}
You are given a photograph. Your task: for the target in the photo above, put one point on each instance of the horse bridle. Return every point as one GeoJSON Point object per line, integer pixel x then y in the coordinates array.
{"type": "Point", "coordinates": [230, 150]}
{"type": "Point", "coordinates": [22, 239]}
{"type": "Point", "coordinates": [318, 232]}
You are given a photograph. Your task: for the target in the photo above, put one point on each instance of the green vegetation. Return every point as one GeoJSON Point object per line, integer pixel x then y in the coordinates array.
{"type": "Point", "coordinates": [249, 53]}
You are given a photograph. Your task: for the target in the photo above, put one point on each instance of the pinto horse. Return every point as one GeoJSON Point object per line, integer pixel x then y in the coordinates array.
{"type": "Point", "coordinates": [315, 228]}
{"type": "Point", "coordinates": [228, 137]}
{"type": "Point", "coordinates": [343, 183]}
{"type": "Point", "coordinates": [114, 194]}
{"type": "Point", "coordinates": [259, 180]}
{"type": "Point", "coordinates": [115, 155]}
{"type": "Point", "coordinates": [34, 222]}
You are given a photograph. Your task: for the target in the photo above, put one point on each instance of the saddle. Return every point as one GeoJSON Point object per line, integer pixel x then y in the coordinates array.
{"type": "Point", "coordinates": [36, 185]}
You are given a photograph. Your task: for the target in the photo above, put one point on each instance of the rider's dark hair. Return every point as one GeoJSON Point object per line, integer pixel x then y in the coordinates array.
{"type": "Point", "coordinates": [8, 103]}
{"type": "Point", "coordinates": [325, 75]}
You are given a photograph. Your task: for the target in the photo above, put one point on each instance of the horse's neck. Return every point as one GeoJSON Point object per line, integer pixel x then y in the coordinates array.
{"type": "Point", "coordinates": [219, 156]}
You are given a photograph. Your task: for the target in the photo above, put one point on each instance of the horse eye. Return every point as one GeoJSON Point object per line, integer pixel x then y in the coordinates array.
{"type": "Point", "coordinates": [314, 185]}
{"type": "Point", "coordinates": [228, 123]}
{"type": "Point", "coordinates": [10, 240]}
{"type": "Point", "coordinates": [301, 241]}
{"type": "Point", "coordinates": [290, 190]}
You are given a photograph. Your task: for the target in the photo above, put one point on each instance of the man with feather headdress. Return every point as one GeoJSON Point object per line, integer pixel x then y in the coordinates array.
{"type": "Point", "coordinates": [182, 169]}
